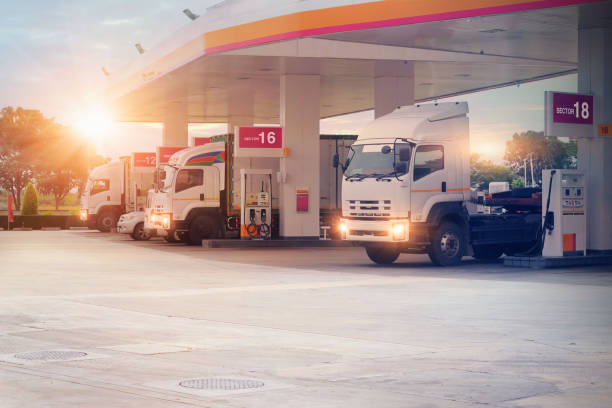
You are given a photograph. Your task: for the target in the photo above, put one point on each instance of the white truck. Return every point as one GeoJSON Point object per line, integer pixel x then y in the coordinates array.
{"type": "Point", "coordinates": [199, 191]}
{"type": "Point", "coordinates": [116, 188]}
{"type": "Point", "coordinates": [406, 189]}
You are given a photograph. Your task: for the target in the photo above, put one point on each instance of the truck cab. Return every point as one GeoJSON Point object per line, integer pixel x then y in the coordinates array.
{"type": "Point", "coordinates": [406, 176]}
{"type": "Point", "coordinates": [101, 201]}
{"type": "Point", "coordinates": [115, 188]}
{"type": "Point", "coordinates": [188, 201]}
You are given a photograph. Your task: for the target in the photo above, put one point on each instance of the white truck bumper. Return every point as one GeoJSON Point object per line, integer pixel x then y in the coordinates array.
{"type": "Point", "coordinates": [395, 230]}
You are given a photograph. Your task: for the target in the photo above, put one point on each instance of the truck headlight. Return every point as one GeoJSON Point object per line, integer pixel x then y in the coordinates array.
{"type": "Point", "coordinates": [343, 229]}
{"type": "Point", "coordinates": [83, 214]}
{"type": "Point", "coordinates": [398, 231]}
{"type": "Point", "coordinates": [165, 221]}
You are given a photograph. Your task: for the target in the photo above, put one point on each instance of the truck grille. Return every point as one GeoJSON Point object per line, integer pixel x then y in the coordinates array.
{"type": "Point", "coordinates": [369, 208]}
{"type": "Point", "coordinates": [361, 233]}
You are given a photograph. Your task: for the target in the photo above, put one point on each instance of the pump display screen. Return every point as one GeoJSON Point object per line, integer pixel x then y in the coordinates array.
{"type": "Point", "coordinates": [374, 160]}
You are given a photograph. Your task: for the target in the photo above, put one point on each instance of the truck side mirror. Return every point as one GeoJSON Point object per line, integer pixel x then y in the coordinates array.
{"type": "Point", "coordinates": [336, 161]}
{"type": "Point", "coordinates": [400, 168]}
{"type": "Point", "coordinates": [404, 154]}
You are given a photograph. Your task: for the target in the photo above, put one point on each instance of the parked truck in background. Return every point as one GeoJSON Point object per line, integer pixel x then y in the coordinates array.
{"type": "Point", "coordinates": [406, 189]}
{"type": "Point", "coordinates": [116, 188]}
{"type": "Point", "coordinates": [199, 191]}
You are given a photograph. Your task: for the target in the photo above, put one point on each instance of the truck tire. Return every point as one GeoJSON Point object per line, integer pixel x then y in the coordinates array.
{"type": "Point", "coordinates": [448, 245]}
{"type": "Point", "coordinates": [202, 227]}
{"type": "Point", "coordinates": [184, 237]}
{"type": "Point", "coordinates": [382, 255]}
{"type": "Point", "coordinates": [172, 237]}
{"type": "Point", "coordinates": [139, 233]}
{"type": "Point", "coordinates": [107, 220]}
{"type": "Point", "coordinates": [490, 251]}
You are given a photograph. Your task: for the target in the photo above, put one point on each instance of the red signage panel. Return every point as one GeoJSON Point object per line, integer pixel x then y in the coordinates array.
{"type": "Point", "coordinates": [144, 159]}
{"type": "Point", "coordinates": [165, 152]}
{"type": "Point", "coordinates": [572, 108]}
{"type": "Point", "coordinates": [260, 138]}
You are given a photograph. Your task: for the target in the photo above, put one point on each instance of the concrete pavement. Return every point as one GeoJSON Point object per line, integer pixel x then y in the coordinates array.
{"type": "Point", "coordinates": [318, 327]}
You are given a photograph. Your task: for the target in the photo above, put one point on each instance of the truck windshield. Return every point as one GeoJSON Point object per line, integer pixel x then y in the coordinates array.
{"type": "Point", "coordinates": [167, 178]}
{"type": "Point", "coordinates": [375, 160]}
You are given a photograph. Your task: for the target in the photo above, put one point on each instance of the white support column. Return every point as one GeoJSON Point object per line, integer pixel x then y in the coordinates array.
{"type": "Point", "coordinates": [393, 86]}
{"type": "Point", "coordinates": [175, 124]}
{"type": "Point", "coordinates": [300, 115]}
{"type": "Point", "coordinates": [595, 153]}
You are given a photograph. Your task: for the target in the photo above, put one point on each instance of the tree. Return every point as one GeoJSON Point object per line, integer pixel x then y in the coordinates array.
{"type": "Point", "coordinates": [544, 152]}
{"type": "Point", "coordinates": [21, 131]}
{"type": "Point", "coordinates": [30, 200]}
{"type": "Point", "coordinates": [61, 163]}
{"type": "Point", "coordinates": [484, 171]}
{"type": "Point", "coordinates": [35, 147]}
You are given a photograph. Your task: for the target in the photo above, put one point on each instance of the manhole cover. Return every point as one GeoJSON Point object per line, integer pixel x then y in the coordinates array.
{"type": "Point", "coordinates": [225, 384]}
{"type": "Point", "coordinates": [50, 355]}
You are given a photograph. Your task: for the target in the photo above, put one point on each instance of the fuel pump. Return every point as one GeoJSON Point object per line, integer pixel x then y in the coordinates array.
{"type": "Point", "coordinates": [255, 203]}
{"type": "Point", "coordinates": [564, 217]}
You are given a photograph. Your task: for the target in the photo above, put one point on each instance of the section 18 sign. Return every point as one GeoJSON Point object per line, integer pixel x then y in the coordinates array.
{"type": "Point", "coordinates": [572, 108]}
{"type": "Point", "coordinates": [568, 115]}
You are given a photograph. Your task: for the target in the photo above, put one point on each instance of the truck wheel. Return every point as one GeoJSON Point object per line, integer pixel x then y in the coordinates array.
{"type": "Point", "coordinates": [382, 255]}
{"type": "Point", "coordinates": [490, 252]}
{"type": "Point", "coordinates": [139, 233]}
{"type": "Point", "coordinates": [172, 237]}
{"type": "Point", "coordinates": [107, 220]}
{"type": "Point", "coordinates": [202, 227]}
{"type": "Point", "coordinates": [448, 245]}
{"type": "Point", "coordinates": [184, 237]}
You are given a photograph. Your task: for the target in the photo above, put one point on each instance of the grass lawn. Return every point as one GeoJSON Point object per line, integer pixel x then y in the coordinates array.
{"type": "Point", "coordinates": [46, 205]}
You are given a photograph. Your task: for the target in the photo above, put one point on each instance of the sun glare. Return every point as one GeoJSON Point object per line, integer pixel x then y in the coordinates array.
{"type": "Point", "coordinates": [94, 123]}
{"type": "Point", "coordinates": [489, 151]}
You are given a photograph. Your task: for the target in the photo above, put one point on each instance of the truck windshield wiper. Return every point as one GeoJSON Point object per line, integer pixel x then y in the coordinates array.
{"type": "Point", "coordinates": [357, 176]}
{"type": "Point", "coordinates": [384, 176]}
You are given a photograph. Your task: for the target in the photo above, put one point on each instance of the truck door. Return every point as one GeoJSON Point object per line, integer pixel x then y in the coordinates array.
{"type": "Point", "coordinates": [429, 179]}
{"type": "Point", "coordinates": [188, 192]}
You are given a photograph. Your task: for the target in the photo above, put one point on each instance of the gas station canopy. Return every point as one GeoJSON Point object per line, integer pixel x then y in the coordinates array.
{"type": "Point", "coordinates": [239, 50]}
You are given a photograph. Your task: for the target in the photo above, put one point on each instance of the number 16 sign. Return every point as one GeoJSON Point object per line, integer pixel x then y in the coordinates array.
{"type": "Point", "coordinates": [255, 141]}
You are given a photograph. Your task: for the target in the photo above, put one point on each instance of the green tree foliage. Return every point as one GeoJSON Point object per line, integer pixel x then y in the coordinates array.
{"type": "Point", "coordinates": [484, 171]}
{"type": "Point", "coordinates": [545, 152]}
{"type": "Point", "coordinates": [20, 132]}
{"type": "Point", "coordinates": [30, 200]}
{"type": "Point", "coordinates": [517, 183]}
{"type": "Point", "coordinates": [62, 163]}
{"type": "Point", "coordinates": [33, 147]}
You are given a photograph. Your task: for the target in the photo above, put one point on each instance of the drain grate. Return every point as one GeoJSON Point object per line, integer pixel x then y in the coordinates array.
{"type": "Point", "coordinates": [50, 355]}
{"type": "Point", "coordinates": [225, 384]}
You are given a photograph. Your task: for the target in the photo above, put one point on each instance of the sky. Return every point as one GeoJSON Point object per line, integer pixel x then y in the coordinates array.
{"type": "Point", "coordinates": [52, 53]}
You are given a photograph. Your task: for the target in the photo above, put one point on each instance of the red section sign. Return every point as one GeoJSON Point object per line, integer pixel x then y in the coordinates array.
{"type": "Point", "coordinates": [572, 108]}
{"type": "Point", "coordinates": [199, 141]}
{"type": "Point", "coordinates": [144, 159]}
{"type": "Point", "coordinates": [260, 138]}
{"type": "Point", "coordinates": [165, 152]}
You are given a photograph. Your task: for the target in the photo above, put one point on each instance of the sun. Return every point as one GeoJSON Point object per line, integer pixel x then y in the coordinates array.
{"type": "Point", "coordinates": [94, 123]}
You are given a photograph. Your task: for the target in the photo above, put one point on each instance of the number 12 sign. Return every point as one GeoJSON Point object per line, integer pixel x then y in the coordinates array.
{"type": "Point", "coordinates": [255, 141]}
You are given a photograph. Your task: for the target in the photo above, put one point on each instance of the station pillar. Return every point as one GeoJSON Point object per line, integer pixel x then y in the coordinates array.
{"type": "Point", "coordinates": [393, 86]}
{"type": "Point", "coordinates": [175, 124]}
{"type": "Point", "coordinates": [299, 171]}
{"type": "Point", "coordinates": [595, 152]}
